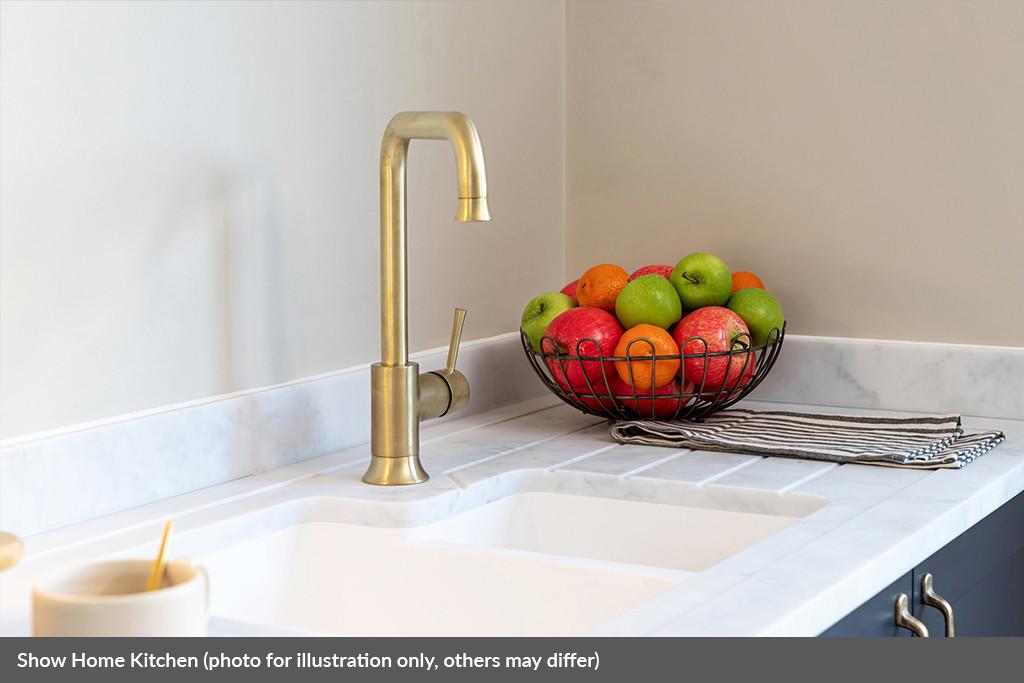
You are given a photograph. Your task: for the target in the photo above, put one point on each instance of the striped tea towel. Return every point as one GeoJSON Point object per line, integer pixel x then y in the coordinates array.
{"type": "Point", "coordinates": [924, 442]}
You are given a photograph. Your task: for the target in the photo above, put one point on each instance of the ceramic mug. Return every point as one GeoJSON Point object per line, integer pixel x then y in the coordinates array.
{"type": "Point", "coordinates": [109, 599]}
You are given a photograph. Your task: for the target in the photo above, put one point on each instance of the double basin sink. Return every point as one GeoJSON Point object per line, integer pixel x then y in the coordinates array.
{"type": "Point", "coordinates": [546, 558]}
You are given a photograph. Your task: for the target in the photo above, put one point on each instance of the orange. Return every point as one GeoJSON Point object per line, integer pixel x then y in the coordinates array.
{"type": "Point", "coordinates": [647, 373]}
{"type": "Point", "coordinates": [744, 279]}
{"type": "Point", "coordinates": [600, 286]}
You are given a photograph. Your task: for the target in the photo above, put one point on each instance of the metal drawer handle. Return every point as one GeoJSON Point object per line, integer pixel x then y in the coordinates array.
{"type": "Point", "coordinates": [933, 599]}
{"type": "Point", "coordinates": [904, 619]}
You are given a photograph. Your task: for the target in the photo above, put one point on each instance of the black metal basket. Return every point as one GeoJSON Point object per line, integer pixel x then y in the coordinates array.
{"type": "Point", "coordinates": [596, 397]}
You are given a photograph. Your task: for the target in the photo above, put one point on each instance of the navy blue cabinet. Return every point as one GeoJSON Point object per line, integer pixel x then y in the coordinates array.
{"type": "Point", "coordinates": [876, 617]}
{"type": "Point", "coordinates": [980, 574]}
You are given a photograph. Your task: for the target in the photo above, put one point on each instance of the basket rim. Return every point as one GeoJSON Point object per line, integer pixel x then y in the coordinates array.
{"type": "Point", "coordinates": [770, 343]}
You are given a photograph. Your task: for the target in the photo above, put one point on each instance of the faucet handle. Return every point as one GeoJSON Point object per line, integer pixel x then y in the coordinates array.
{"type": "Point", "coordinates": [453, 345]}
{"type": "Point", "coordinates": [442, 392]}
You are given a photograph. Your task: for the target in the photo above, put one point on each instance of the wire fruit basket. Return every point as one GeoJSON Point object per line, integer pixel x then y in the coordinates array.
{"type": "Point", "coordinates": [602, 390]}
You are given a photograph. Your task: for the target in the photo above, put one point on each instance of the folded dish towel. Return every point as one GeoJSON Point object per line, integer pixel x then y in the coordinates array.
{"type": "Point", "coordinates": [926, 442]}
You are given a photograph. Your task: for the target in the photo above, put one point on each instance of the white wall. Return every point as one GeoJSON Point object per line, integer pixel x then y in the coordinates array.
{"type": "Point", "coordinates": [189, 191]}
{"type": "Point", "coordinates": [866, 157]}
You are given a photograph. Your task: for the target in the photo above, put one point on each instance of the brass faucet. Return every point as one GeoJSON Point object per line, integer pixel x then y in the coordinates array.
{"type": "Point", "coordinates": [400, 395]}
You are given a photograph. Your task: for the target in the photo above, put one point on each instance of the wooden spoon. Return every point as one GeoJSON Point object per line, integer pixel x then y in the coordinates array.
{"type": "Point", "coordinates": [156, 574]}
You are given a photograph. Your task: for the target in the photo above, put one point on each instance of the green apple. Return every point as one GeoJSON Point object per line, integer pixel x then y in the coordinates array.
{"type": "Point", "coordinates": [702, 279]}
{"type": "Point", "coordinates": [648, 299]}
{"type": "Point", "coordinates": [539, 313]}
{"type": "Point", "coordinates": [760, 311]}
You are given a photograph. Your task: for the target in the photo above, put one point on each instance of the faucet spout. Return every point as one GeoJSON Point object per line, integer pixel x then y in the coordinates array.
{"type": "Point", "coordinates": [455, 127]}
{"type": "Point", "coordinates": [400, 395]}
{"type": "Point", "coordinates": [473, 209]}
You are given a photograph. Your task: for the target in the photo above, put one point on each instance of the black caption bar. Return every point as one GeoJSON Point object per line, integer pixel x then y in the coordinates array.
{"type": "Point", "coordinates": [622, 660]}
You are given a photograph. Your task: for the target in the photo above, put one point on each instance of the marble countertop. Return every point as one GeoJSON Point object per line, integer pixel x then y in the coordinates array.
{"type": "Point", "coordinates": [879, 522]}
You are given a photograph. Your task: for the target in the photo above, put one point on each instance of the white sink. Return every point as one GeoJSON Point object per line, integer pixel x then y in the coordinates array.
{"type": "Point", "coordinates": [342, 579]}
{"type": "Point", "coordinates": [676, 537]}
{"type": "Point", "coordinates": [530, 563]}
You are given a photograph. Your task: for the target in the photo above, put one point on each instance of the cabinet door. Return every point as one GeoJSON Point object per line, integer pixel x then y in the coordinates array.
{"type": "Point", "coordinates": [981, 573]}
{"type": "Point", "coordinates": [877, 616]}
{"type": "Point", "coordinates": [992, 607]}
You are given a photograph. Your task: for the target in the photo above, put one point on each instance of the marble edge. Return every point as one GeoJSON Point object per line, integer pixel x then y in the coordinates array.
{"type": "Point", "coordinates": [932, 510]}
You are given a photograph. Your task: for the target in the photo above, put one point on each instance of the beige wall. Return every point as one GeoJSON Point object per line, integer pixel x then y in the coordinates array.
{"type": "Point", "coordinates": [190, 196]}
{"type": "Point", "coordinates": [188, 191]}
{"type": "Point", "coordinates": [866, 158]}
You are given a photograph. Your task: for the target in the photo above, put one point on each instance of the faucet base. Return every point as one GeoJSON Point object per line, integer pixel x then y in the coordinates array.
{"type": "Point", "coordinates": [399, 471]}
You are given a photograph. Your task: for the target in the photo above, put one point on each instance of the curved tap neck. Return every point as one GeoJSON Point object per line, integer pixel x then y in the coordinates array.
{"type": "Point", "coordinates": [472, 193]}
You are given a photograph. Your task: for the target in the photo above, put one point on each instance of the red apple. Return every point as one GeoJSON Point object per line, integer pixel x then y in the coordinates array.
{"type": "Point", "coordinates": [570, 289]}
{"type": "Point", "coordinates": [721, 329]}
{"type": "Point", "coordinates": [735, 383]}
{"type": "Point", "coordinates": [641, 407]}
{"type": "Point", "coordinates": [663, 271]}
{"type": "Point", "coordinates": [595, 396]}
{"type": "Point", "coordinates": [583, 331]}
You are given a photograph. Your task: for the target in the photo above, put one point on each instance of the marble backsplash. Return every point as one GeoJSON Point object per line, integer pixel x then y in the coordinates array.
{"type": "Point", "coordinates": [59, 478]}
{"type": "Point", "coordinates": [897, 375]}
{"type": "Point", "coordinates": [66, 476]}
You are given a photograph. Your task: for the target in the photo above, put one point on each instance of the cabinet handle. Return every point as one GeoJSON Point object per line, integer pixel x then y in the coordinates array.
{"type": "Point", "coordinates": [904, 619]}
{"type": "Point", "coordinates": [933, 599]}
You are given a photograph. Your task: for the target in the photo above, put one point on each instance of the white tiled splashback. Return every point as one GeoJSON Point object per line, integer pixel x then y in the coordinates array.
{"type": "Point", "coordinates": [59, 478]}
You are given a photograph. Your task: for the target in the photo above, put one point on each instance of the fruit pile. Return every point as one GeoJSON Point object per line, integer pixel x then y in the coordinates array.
{"type": "Point", "coordinates": [650, 341]}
